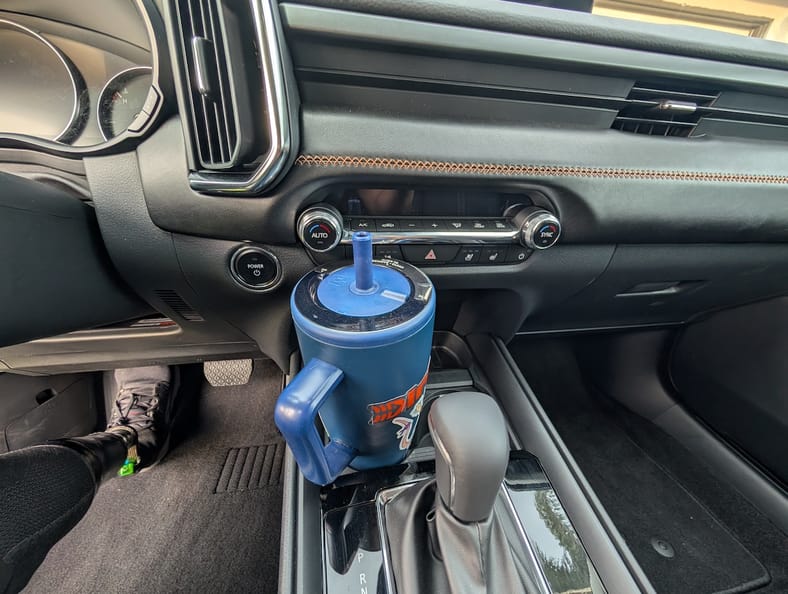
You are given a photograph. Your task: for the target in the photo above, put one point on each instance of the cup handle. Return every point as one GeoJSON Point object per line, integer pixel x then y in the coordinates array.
{"type": "Point", "coordinates": [295, 415]}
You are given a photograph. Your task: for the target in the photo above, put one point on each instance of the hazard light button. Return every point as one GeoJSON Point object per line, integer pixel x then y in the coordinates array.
{"type": "Point", "coordinates": [425, 255]}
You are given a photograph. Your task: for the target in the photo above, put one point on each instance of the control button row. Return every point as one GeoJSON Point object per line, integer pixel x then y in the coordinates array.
{"type": "Point", "coordinates": [468, 255]}
{"type": "Point", "coordinates": [383, 225]}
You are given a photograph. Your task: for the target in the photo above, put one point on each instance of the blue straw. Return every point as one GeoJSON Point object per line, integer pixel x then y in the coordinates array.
{"type": "Point", "coordinates": [362, 260]}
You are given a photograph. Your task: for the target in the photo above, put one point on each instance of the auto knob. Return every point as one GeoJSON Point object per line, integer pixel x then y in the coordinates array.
{"type": "Point", "coordinates": [320, 228]}
{"type": "Point", "coordinates": [539, 228]}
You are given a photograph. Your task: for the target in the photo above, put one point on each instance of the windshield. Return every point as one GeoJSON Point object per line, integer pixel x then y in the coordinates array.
{"type": "Point", "coordinates": [766, 19]}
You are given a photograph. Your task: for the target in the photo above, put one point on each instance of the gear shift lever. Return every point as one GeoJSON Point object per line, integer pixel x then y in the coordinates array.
{"type": "Point", "coordinates": [471, 453]}
{"type": "Point", "coordinates": [444, 535]}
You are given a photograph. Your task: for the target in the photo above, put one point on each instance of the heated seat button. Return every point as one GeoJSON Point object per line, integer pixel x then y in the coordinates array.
{"type": "Point", "coordinates": [493, 255]}
{"type": "Point", "coordinates": [468, 255]}
{"type": "Point", "coordinates": [429, 254]}
{"type": "Point", "coordinates": [255, 268]}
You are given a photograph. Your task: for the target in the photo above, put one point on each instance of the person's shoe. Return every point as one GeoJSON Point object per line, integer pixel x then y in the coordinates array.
{"type": "Point", "coordinates": [144, 401]}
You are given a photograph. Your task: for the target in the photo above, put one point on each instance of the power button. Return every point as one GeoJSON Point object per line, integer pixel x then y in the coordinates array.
{"type": "Point", "coordinates": [255, 268]}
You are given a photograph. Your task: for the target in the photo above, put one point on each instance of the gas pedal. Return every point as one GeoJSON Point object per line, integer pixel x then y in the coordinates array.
{"type": "Point", "coordinates": [231, 372]}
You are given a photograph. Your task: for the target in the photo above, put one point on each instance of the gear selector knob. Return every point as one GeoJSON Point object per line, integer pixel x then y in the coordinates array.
{"type": "Point", "coordinates": [471, 453]}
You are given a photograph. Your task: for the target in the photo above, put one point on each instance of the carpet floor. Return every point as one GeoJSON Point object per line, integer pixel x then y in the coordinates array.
{"type": "Point", "coordinates": [689, 530]}
{"type": "Point", "coordinates": [206, 519]}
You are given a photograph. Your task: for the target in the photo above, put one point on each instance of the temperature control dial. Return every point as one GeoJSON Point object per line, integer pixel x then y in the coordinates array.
{"type": "Point", "coordinates": [539, 228]}
{"type": "Point", "coordinates": [320, 228]}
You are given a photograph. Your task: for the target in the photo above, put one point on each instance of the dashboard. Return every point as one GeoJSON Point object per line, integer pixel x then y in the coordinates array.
{"type": "Point", "coordinates": [552, 171]}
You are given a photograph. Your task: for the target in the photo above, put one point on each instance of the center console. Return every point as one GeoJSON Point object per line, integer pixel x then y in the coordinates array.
{"type": "Point", "coordinates": [357, 535]}
{"type": "Point", "coordinates": [409, 482]}
{"type": "Point", "coordinates": [357, 554]}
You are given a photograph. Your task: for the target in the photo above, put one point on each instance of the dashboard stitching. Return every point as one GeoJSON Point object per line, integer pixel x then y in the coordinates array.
{"type": "Point", "coordinates": [534, 170]}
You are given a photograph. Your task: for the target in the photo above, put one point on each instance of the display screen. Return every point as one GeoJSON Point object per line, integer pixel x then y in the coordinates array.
{"type": "Point", "coordinates": [425, 202]}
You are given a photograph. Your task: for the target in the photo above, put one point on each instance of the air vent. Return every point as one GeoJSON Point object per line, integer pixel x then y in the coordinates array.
{"type": "Point", "coordinates": [210, 96]}
{"type": "Point", "coordinates": [673, 110]}
{"type": "Point", "coordinates": [661, 111]}
{"type": "Point", "coordinates": [233, 93]}
{"type": "Point", "coordinates": [177, 304]}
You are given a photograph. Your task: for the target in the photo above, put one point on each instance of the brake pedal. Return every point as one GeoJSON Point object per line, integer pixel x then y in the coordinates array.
{"type": "Point", "coordinates": [231, 372]}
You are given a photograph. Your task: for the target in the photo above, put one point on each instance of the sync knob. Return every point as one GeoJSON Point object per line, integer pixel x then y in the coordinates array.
{"type": "Point", "coordinates": [539, 228]}
{"type": "Point", "coordinates": [320, 228]}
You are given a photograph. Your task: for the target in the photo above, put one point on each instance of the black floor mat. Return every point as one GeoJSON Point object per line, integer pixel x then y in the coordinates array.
{"type": "Point", "coordinates": [640, 491]}
{"type": "Point", "coordinates": [206, 519]}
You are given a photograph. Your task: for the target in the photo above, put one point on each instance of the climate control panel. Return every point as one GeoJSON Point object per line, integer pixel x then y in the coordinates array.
{"type": "Point", "coordinates": [434, 241]}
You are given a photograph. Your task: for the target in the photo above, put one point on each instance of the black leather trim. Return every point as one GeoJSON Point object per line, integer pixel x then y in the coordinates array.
{"type": "Point", "coordinates": [692, 191]}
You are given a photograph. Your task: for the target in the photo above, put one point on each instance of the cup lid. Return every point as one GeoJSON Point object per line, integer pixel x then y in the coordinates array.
{"type": "Point", "coordinates": [367, 296]}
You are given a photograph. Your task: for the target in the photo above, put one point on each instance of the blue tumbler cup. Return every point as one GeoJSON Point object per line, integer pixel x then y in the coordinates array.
{"type": "Point", "coordinates": [365, 332]}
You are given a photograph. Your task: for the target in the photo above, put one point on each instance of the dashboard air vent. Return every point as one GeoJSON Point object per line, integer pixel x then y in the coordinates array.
{"type": "Point", "coordinates": [663, 111]}
{"type": "Point", "coordinates": [214, 122]}
{"type": "Point", "coordinates": [673, 110]}
{"type": "Point", "coordinates": [234, 93]}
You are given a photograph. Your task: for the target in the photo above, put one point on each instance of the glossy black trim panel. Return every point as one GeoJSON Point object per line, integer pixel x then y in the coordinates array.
{"type": "Point", "coordinates": [605, 545]}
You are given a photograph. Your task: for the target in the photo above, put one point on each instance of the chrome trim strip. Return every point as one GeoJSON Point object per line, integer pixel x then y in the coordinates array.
{"type": "Point", "coordinates": [480, 237]}
{"type": "Point", "coordinates": [599, 329]}
{"type": "Point", "coordinates": [445, 453]}
{"type": "Point", "coordinates": [528, 546]}
{"type": "Point", "coordinates": [276, 112]}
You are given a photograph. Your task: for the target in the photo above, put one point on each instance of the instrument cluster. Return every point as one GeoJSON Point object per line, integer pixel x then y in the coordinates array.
{"type": "Point", "coordinates": [71, 86]}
